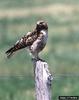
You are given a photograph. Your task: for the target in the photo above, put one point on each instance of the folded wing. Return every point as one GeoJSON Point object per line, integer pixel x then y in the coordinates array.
{"type": "Point", "coordinates": [25, 41]}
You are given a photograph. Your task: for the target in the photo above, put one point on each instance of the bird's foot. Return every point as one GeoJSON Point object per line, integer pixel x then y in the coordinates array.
{"type": "Point", "coordinates": [41, 59]}
{"type": "Point", "coordinates": [37, 59]}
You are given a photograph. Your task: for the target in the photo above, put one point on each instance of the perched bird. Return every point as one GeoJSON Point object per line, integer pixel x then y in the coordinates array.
{"type": "Point", "coordinates": [35, 41]}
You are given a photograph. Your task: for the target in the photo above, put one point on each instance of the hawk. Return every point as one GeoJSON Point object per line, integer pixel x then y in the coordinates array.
{"type": "Point", "coordinates": [35, 41]}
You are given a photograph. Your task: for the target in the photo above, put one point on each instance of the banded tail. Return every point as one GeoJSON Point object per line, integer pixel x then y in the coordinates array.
{"type": "Point", "coordinates": [9, 52]}
{"type": "Point", "coordinates": [18, 45]}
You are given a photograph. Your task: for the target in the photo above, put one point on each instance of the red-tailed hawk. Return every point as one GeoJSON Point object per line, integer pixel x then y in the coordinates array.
{"type": "Point", "coordinates": [34, 41]}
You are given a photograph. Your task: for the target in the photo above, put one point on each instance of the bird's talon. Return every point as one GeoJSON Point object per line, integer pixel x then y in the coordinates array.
{"type": "Point", "coordinates": [41, 59]}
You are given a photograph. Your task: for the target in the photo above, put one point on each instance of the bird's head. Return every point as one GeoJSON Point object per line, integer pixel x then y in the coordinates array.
{"type": "Point", "coordinates": [41, 25]}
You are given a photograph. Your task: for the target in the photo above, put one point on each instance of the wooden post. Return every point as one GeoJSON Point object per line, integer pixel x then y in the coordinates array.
{"type": "Point", "coordinates": [43, 80]}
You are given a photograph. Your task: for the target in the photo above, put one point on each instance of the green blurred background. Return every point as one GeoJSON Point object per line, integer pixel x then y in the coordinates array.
{"type": "Point", "coordinates": [17, 17]}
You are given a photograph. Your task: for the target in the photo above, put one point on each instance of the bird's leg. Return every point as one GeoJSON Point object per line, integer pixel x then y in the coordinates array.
{"type": "Point", "coordinates": [38, 58]}
{"type": "Point", "coordinates": [34, 56]}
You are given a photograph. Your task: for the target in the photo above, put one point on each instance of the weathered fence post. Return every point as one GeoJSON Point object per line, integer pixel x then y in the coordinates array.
{"type": "Point", "coordinates": [43, 80]}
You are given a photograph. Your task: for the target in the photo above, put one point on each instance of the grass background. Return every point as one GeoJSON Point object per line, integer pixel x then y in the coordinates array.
{"type": "Point", "coordinates": [17, 17]}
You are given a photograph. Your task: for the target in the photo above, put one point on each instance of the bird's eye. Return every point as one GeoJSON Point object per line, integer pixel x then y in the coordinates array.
{"type": "Point", "coordinates": [41, 23]}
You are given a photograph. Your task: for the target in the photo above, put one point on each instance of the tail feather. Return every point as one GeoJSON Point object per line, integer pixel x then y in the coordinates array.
{"type": "Point", "coordinates": [9, 52]}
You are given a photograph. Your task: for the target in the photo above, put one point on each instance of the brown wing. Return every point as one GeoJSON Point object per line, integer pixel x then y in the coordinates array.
{"type": "Point", "coordinates": [25, 41]}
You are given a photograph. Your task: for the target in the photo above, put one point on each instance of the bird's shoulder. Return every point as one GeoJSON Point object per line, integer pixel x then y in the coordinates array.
{"type": "Point", "coordinates": [30, 37]}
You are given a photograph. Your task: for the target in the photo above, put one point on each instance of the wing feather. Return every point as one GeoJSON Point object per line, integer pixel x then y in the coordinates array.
{"type": "Point", "coordinates": [25, 41]}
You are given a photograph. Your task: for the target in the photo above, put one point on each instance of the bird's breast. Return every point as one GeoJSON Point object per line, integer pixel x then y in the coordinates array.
{"type": "Point", "coordinates": [45, 36]}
